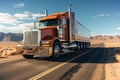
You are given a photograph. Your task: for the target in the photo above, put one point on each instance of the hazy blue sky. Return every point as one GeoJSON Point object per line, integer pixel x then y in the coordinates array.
{"type": "Point", "coordinates": [99, 16]}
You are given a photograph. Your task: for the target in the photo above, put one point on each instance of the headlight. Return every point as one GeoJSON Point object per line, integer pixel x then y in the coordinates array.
{"type": "Point", "coordinates": [45, 42]}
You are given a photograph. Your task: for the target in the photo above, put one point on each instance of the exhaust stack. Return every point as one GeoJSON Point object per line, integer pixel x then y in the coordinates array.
{"type": "Point", "coordinates": [46, 12]}
{"type": "Point", "coordinates": [70, 23]}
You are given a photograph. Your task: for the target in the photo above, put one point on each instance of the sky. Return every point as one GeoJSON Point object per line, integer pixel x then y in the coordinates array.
{"type": "Point", "coordinates": [101, 17]}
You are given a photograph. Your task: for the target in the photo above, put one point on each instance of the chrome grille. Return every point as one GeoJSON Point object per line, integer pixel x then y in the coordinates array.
{"type": "Point", "coordinates": [32, 38]}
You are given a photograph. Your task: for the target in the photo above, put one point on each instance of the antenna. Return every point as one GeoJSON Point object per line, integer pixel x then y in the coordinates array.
{"type": "Point", "coordinates": [35, 25]}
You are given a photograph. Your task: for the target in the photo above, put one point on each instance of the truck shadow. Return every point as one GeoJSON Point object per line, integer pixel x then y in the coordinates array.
{"type": "Point", "coordinates": [98, 55]}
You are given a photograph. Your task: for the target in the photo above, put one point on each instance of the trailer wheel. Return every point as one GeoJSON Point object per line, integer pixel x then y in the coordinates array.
{"type": "Point", "coordinates": [56, 50]}
{"type": "Point", "coordinates": [28, 56]}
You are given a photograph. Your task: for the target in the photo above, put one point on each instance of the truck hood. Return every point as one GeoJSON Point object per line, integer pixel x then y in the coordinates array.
{"type": "Point", "coordinates": [48, 33]}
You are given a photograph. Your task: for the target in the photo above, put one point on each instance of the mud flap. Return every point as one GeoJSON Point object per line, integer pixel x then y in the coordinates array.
{"type": "Point", "coordinates": [50, 51]}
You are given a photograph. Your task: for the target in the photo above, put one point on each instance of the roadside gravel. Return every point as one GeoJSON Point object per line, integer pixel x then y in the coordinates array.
{"type": "Point", "coordinates": [112, 66]}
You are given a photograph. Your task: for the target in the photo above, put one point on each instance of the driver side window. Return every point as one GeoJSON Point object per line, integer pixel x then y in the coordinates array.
{"type": "Point", "coordinates": [62, 22]}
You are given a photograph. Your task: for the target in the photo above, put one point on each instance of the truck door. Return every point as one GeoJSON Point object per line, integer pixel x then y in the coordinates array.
{"type": "Point", "coordinates": [62, 30]}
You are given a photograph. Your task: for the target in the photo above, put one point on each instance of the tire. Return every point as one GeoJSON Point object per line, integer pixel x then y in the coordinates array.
{"type": "Point", "coordinates": [81, 46]}
{"type": "Point", "coordinates": [56, 51]}
{"type": "Point", "coordinates": [28, 56]}
{"type": "Point", "coordinates": [78, 46]}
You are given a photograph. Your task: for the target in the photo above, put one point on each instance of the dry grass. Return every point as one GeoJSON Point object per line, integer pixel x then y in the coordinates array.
{"type": "Point", "coordinates": [107, 44]}
{"type": "Point", "coordinates": [8, 48]}
{"type": "Point", "coordinates": [110, 44]}
{"type": "Point", "coordinates": [117, 54]}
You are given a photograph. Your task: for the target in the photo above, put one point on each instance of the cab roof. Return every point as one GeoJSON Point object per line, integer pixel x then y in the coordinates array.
{"type": "Point", "coordinates": [55, 15]}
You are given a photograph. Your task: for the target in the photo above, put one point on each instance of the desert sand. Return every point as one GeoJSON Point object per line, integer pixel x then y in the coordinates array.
{"type": "Point", "coordinates": [8, 48]}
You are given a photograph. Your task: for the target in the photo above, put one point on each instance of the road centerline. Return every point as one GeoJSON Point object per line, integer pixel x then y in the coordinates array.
{"type": "Point", "coordinates": [38, 76]}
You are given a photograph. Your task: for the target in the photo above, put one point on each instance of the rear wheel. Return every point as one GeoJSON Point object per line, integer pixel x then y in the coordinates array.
{"type": "Point", "coordinates": [56, 50]}
{"type": "Point", "coordinates": [28, 56]}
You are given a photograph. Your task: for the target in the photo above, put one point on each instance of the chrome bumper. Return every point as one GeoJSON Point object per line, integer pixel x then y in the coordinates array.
{"type": "Point", "coordinates": [41, 51]}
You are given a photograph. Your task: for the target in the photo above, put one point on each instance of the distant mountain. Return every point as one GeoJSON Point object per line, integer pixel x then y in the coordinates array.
{"type": "Point", "coordinates": [11, 36]}
{"type": "Point", "coordinates": [19, 37]}
{"type": "Point", "coordinates": [106, 38]}
{"type": "Point", "coordinates": [2, 35]}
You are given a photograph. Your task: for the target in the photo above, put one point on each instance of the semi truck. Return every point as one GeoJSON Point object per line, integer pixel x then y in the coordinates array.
{"type": "Point", "coordinates": [57, 33]}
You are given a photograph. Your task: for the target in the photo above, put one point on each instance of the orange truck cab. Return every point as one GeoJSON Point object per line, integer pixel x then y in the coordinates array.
{"type": "Point", "coordinates": [54, 27]}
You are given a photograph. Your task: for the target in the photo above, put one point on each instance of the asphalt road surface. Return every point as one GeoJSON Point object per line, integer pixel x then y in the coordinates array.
{"type": "Point", "coordinates": [84, 65]}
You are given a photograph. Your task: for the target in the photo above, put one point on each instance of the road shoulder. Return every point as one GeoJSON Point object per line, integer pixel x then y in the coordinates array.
{"type": "Point", "coordinates": [112, 66]}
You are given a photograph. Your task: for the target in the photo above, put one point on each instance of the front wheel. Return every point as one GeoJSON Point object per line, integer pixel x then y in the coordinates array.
{"type": "Point", "coordinates": [28, 56]}
{"type": "Point", "coordinates": [56, 50]}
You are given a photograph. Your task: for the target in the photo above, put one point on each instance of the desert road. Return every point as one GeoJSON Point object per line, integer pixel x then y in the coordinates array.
{"type": "Point", "coordinates": [88, 64]}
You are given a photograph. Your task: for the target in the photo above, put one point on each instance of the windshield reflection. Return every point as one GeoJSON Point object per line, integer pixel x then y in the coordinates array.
{"type": "Point", "coordinates": [51, 22]}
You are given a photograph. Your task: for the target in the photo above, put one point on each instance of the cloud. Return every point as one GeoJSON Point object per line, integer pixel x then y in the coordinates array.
{"type": "Point", "coordinates": [16, 29]}
{"type": "Point", "coordinates": [34, 16]}
{"type": "Point", "coordinates": [7, 18]}
{"type": "Point", "coordinates": [116, 33]}
{"type": "Point", "coordinates": [23, 16]}
{"type": "Point", "coordinates": [102, 15]}
{"type": "Point", "coordinates": [28, 15]}
{"type": "Point", "coordinates": [19, 5]}
{"type": "Point", "coordinates": [118, 28]}
{"type": "Point", "coordinates": [21, 27]}
{"type": "Point", "coordinates": [17, 22]}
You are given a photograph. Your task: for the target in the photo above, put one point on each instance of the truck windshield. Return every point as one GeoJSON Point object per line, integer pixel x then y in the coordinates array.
{"type": "Point", "coordinates": [51, 22]}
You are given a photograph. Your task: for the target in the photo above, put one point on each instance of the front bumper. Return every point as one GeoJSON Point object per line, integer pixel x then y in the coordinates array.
{"type": "Point", "coordinates": [41, 51]}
